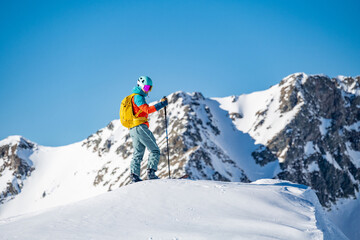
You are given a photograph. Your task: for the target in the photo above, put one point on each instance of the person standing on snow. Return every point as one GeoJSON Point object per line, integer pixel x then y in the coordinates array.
{"type": "Point", "coordinates": [141, 136]}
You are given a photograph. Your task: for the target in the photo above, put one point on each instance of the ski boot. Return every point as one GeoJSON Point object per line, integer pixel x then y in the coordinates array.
{"type": "Point", "coordinates": [135, 178]}
{"type": "Point", "coordinates": [151, 174]}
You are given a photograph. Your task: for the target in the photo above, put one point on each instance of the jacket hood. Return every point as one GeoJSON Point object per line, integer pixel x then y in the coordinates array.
{"type": "Point", "coordinates": [138, 90]}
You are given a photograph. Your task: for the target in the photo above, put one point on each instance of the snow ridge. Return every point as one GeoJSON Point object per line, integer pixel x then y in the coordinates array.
{"type": "Point", "coordinates": [262, 210]}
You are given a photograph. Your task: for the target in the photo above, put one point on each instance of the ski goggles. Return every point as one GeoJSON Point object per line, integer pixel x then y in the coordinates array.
{"type": "Point", "coordinates": [147, 88]}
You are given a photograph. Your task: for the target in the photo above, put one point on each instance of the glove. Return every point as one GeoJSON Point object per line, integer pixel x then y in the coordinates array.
{"type": "Point", "coordinates": [163, 103]}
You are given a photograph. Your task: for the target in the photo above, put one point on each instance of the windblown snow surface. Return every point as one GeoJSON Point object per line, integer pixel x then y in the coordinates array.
{"type": "Point", "coordinates": [183, 209]}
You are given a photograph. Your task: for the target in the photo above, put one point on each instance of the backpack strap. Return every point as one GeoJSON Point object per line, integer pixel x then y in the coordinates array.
{"type": "Point", "coordinates": [140, 111]}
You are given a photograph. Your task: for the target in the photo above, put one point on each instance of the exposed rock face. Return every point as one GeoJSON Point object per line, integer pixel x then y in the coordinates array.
{"type": "Point", "coordinates": [319, 146]}
{"type": "Point", "coordinates": [15, 167]}
{"type": "Point", "coordinates": [192, 138]}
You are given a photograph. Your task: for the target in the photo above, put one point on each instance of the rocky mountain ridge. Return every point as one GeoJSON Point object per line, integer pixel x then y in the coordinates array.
{"type": "Point", "coordinates": [319, 145]}
{"type": "Point", "coordinates": [15, 165]}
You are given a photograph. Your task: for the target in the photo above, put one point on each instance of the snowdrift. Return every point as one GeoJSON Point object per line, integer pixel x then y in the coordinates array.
{"type": "Point", "coordinates": [183, 209]}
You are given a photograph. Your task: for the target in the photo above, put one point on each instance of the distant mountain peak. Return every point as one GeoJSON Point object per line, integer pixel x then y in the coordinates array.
{"type": "Point", "coordinates": [16, 140]}
{"type": "Point", "coordinates": [294, 79]}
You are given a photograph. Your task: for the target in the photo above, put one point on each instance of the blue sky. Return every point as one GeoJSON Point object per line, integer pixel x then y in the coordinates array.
{"type": "Point", "coordinates": [65, 66]}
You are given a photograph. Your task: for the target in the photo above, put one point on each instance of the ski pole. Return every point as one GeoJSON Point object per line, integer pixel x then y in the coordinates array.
{"type": "Point", "coordinates": [167, 141]}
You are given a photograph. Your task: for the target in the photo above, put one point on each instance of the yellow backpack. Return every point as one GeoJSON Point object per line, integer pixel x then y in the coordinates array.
{"type": "Point", "coordinates": [127, 117]}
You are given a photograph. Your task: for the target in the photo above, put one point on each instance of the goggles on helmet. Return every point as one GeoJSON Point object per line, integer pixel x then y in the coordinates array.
{"type": "Point", "coordinates": [147, 88]}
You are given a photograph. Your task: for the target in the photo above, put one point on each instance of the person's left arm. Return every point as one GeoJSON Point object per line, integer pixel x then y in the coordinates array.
{"type": "Point", "coordinates": [140, 102]}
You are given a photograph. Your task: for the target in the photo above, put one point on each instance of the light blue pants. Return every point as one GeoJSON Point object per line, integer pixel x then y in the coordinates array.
{"type": "Point", "coordinates": [143, 138]}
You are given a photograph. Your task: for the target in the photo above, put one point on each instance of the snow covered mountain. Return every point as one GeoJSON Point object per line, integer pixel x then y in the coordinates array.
{"type": "Point", "coordinates": [311, 125]}
{"type": "Point", "coordinates": [304, 129]}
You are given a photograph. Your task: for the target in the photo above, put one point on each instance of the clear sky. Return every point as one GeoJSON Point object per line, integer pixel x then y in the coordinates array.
{"type": "Point", "coordinates": [65, 66]}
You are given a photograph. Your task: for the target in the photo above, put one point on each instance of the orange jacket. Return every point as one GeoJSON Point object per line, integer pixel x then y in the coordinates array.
{"type": "Point", "coordinates": [145, 108]}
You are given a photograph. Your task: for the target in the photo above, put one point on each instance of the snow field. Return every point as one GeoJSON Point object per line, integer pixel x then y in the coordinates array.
{"type": "Point", "coordinates": [183, 209]}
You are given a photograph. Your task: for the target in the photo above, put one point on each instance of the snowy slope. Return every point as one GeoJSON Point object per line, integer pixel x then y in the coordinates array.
{"type": "Point", "coordinates": [238, 146]}
{"type": "Point", "coordinates": [260, 112]}
{"type": "Point", "coordinates": [182, 209]}
{"type": "Point", "coordinates": [62, 175]}
{"type": "Point", "coordinates": [346, 216]}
